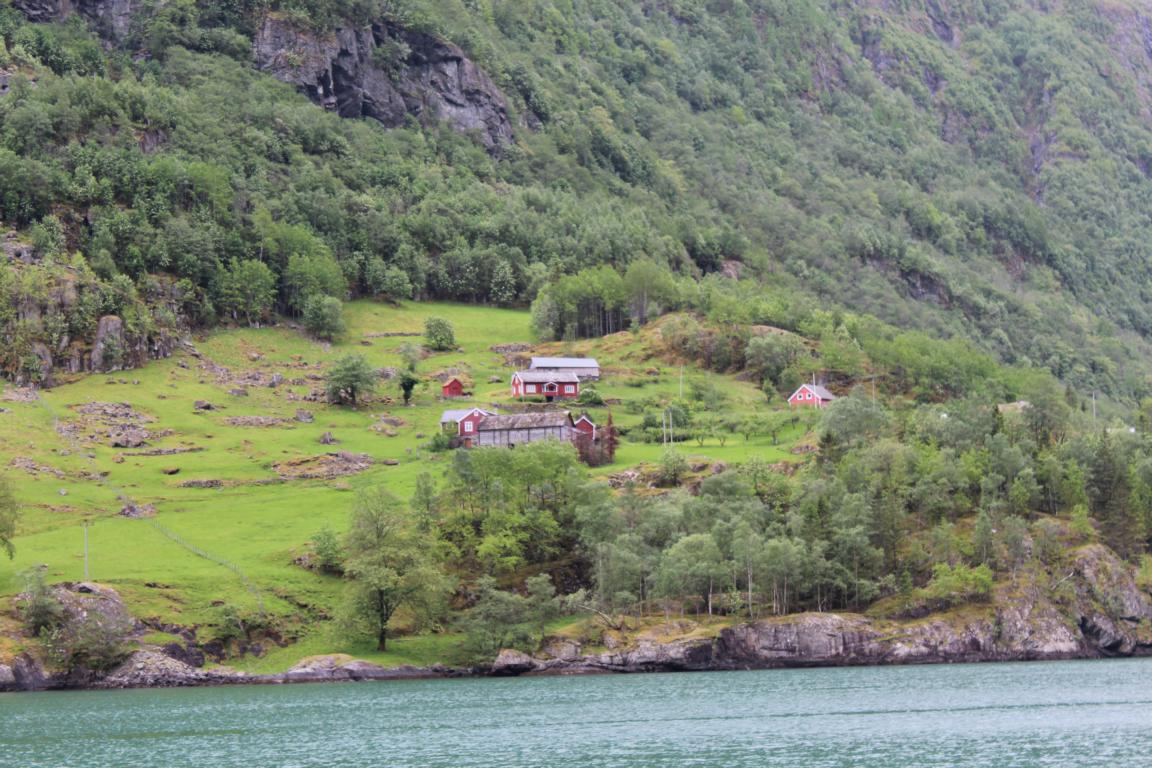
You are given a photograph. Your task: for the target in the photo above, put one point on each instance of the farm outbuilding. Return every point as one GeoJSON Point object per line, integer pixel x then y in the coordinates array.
{"type": "Point", "coordinates": [475, 427]}
{"type": "Point", "coordinates": [452, 388]}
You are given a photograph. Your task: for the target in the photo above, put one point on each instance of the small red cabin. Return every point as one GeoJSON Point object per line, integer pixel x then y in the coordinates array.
{"type": "Point", "coordinates": [812, 395]}
{"type": "Point", "coordinates": [584, 425]}
{"type": "Point", "coordinates": [452, 388]}
{"type": "Point", "coordinates": [547, 384]}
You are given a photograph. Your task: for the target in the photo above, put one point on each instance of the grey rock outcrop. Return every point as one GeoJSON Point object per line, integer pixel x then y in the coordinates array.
{"type": "Point", "coordinates": [108, 346]}
{"type": "Point", "coordinates": [111, 19]}
{"type": "Point", "coordinates": [387, 73]}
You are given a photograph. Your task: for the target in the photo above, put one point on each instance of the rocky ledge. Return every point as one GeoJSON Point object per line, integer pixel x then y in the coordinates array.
{"type": "Point", "coordinates": [1094, 609]}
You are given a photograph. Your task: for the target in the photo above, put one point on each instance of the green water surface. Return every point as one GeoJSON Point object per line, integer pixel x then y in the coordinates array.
{"type": "Point", "coordinates": [1004, 715]}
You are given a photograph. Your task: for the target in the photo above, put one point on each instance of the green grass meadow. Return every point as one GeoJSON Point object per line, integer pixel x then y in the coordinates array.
{"type": "Point", "coordinates": [182, 567]}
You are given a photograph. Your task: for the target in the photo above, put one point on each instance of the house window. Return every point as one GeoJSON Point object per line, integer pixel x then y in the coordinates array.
{"type": "Point", "coordinates": [530, 388]}
{"type": "Point", "coordinates": [569, 388]}
{"type": "Point", "coordinates": [468, 426]}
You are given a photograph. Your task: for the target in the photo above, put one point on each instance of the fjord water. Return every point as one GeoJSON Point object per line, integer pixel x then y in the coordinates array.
{"type": "Point", "coordinates": [1002, 715]}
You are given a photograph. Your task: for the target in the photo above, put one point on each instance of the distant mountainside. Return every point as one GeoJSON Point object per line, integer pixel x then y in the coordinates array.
{"type": "Point", "coordinates": [977, 170]}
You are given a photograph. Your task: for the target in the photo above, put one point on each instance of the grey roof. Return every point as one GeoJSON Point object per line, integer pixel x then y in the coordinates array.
{"type": "Point", "coordinates": [564, 362]}
{"type": "Point", "coordinates": [452, 416]}
{"type": "Point", "coordinates": [543, 377]}
{"type": "Point", "coordinates": [524, 421]}
{"type": "Point", "coordinates": [819, 391]}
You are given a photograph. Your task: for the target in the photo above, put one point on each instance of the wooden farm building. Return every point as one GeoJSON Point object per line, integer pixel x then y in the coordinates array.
{"type": "Point", "coordinates": [476, 427]}
{"type": "Point", "coordinates": [585, 368]}
{"type": "Point", "coordinates": [811, 395]}
{"type": "Point", "coordinates": [547, 384]}
{"type": "Point", "coordinates": [452, 388]}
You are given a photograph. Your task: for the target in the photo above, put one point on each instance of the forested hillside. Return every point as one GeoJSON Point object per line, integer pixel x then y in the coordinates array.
{"type": "Point", "coordinates": [974, 170]}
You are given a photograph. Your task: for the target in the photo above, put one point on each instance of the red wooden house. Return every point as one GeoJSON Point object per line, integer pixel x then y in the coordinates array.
{"type": "Point", "coordinates": [811, 395]}
{"type": "Point", "coordinates": [452, 388]}
{"type": "Point", "coordinates": [547, 384]}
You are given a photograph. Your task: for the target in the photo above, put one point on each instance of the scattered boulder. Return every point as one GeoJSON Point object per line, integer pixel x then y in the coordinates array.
{"type": "Point", "coordinates": [171, 470]}
{"type": "Point", "coordinates": [328, 439]}
{"type": "Point", "coordinates": [323, 467]}
{"type": "Point", "coordinates": [276, 380]}
{"type": "Point", "coordinates": [304, 417]}
{"type": "Point", "coordinates": [238, 392]}
{"type": "Point", "coordinates": [494, 379]}
{"type": "Point", "coordinates": [137, 511]}
{"type": "Point", "coordinates": [390, 462]}
{"type": "Point", "coordinates": [256, 421]}
{"type": "Point", "coordinates": [202, 484]}
{"type": "Point", "coordinates": [510, 663]}
{"type": "Point", "coordinates": [203, 405]}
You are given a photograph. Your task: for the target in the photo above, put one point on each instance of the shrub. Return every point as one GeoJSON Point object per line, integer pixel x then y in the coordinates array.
{"type": "Point", "coordinates": [96, 640]}
{"type": "Point", "coordinates": [39, 608]}
{"type": "Point", "coordinates": [439, 334]}
{"type": "Point", "coordinates": [328, 550]}
{"type": "Point", "coordinates": [350, 379]}
{"type": "Point", "coordinates": [590, 396]}
{"type": "Point", "coordinates": [324, 317]}
{"type": "Point", "coordinates": [953, 585]}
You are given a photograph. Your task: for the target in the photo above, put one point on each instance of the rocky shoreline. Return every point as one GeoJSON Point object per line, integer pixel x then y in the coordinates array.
{"type": "Point", "coordinates": [1096, 611]}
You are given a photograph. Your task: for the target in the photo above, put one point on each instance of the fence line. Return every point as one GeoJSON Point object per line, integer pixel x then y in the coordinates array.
{"type": "Point", "coordinates": [201, 552]}
{"type": "Point", "coordinates": [78, 448]}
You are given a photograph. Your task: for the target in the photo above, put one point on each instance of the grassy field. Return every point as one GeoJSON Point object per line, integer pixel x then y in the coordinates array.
{"type": "Point", "coordinates": [209, 550]}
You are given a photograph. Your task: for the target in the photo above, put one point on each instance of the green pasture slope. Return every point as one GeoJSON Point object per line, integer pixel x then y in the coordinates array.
{"type": "Point", "coordinates": [209, 549]}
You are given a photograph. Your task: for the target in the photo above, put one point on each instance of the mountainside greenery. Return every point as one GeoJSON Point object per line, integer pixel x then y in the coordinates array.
{"type": "Point", "coordinates": [938, 209]}
{"type": "Point", "coordinates": [974, 170]}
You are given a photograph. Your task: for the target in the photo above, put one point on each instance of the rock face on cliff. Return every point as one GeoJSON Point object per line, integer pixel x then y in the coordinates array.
{"type": "Point", "coordinates": [387, 73]}
{"type": "Point", "coordinates": [110, 18]}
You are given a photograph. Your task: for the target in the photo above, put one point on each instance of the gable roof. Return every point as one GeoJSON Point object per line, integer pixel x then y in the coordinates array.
{"type": "Point", "coordinates": [545, 377]}
{"type": "Point", "coordinates": [455, 415]}
{"type": "Point", "coordinates": [564, 362]}
{"type": "Point", "coordinates": [816, 389]}
{"type": "Point", "coordinates": [496, 423]}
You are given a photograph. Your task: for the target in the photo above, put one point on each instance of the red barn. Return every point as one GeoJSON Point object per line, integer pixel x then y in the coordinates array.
{"type": "Point", "coordinates": [585, 426]}
{"type": "Point", "coordinates": [547, 384]}
{"type": "Point", "coordinates": [452, 388]}
{"type": "Point", "coordinates": [812, 395]}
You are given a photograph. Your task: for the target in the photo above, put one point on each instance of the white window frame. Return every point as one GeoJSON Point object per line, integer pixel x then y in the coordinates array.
{"type": "Point", "coordinates": [468, 426]}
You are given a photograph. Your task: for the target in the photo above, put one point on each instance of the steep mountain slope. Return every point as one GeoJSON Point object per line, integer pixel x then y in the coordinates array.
{"type": "Point", "coordinates": [976, 170]}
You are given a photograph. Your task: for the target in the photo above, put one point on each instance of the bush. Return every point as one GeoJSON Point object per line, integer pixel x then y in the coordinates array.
{"type": "Point", "coordinates": [96, 640]}
{"type": "Point", "coordinates": [953, 585]}
{"type": "Point", "coordinates": [590, 396]}
{"type": "Point", "coordinates": [439, 443]}
{"type": "Point", "coordinates": [324, 317]}
{"type": "Point", "coordinates": [439, 335]}
{"type": "Point", "coordinates": [328, 550]}
{"type": "Point", "coordinates": [39, 608]}
{"type": "Point", "coordinates": [672, 467]}
{"type": "Point", "coordinates": [350, 379]}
